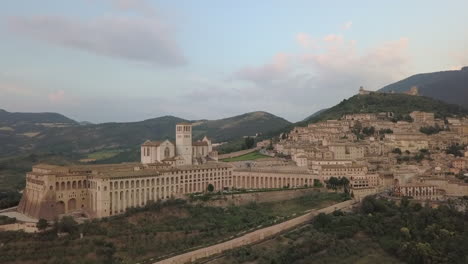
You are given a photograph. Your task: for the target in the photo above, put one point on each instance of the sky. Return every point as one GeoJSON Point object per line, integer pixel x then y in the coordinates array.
{"type": "Point", "coordinates": [130, 60]}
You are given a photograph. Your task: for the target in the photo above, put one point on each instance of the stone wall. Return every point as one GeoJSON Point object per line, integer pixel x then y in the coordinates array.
{"type": "Point", "coordinates": [237, 153]}
{"type": "Point", "coordinates": [26, 227]}
{"type": "Point", "coordinates": [260, 197]}
{"type": "Point", "coordinates": [252, 237]}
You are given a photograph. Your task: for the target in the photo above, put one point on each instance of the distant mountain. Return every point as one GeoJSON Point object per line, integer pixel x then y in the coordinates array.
{"type": "Point", "coordinates": [448, 86]}
{"type": "Point", "coordinates": [242, 125]}
{"type": "Point", "coordinates": [75, 138]}
{"type": "Point", "coordinates": [7, 118]}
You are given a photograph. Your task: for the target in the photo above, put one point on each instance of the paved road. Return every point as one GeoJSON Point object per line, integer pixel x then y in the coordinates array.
{"type": "Point", "coordinates": [19, 216]}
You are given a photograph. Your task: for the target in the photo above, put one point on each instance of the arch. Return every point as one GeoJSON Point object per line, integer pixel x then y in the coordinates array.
{"type": "Point", "coordinates": [62, 186]}
{"type": "Point", "coordinates": [57, 186]}
{"type": "Point", "coordinates": [60, 207]}
{"type": "Point", "coordinates": [68, 185]}
{"type": "Point", "coordinates": [71, 204]}
{"type": "Point", "coordinates": [74, 185]}
{"type": "Point", "coordinates": [167, 152]}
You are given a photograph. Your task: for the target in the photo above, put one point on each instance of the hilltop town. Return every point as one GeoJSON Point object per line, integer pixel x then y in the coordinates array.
{"type": "Point", "coordinates": [418, 156]}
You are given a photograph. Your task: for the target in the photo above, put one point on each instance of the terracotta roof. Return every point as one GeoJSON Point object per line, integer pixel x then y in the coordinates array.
{"type": "Point", "coordinates": [200, 143]}
{"type": "Point", "coordinates": [152, 143]}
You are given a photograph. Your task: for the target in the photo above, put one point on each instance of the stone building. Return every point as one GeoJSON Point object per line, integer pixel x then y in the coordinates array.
{"type": "Point", "coordinates": [183, 152]}
{"type": "Point", "coordinates": [106, 190]}
{"type": "Point", "coordinates": [423, 117]}
{"type": "Point", "coordinates": [347, 151]}
{"type": "Point", "coordinates": [418, 191]}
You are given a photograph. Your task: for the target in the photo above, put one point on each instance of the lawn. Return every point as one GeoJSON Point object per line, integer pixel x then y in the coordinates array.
{"type": "Point", "coordinates": [249, 156]}
{"type": "Point", "coordinates": [154, 231]}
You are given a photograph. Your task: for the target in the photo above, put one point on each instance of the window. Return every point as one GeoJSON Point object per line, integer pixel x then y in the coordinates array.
{"type": "Point", "coordinates": [167, 152]}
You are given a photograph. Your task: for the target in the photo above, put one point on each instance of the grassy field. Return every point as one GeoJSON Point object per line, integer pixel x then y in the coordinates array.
{"type": "Point", "coordinates": [154, 231]}
{"type": "Point", "coordinates": [104, 154]}
{"type": "Point", "coordinates": [249, 156]}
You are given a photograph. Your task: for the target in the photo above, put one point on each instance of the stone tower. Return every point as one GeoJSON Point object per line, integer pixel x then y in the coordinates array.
{"type": "Point", "coordinates": [184, 142]}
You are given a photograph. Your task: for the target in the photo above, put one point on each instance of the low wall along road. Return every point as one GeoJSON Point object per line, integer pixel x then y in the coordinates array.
{"type": "Point", "coordinates": [253, 237]}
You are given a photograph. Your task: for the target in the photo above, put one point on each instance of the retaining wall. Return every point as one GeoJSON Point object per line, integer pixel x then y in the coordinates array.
{"type": "Point", "coordinates": [260, 197]}
{"type": "Point", "coordinates": [237, 153]}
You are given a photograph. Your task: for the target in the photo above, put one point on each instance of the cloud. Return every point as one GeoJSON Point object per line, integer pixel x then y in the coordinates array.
{"type": "Point", "coordinates": [347, 25]}
{"type": "Point", "coordinates": [141, 6]}
{"type": "Point", "coordinates": [57, 96]}
{"type": "Point", "coordinates": [139, 39]}
{"type": "Point", "coordinates": [333, 38]}
{"type": "Point", "coordinates": [277, 68]}
{"type": "Point", "coordinates": [305, 40]}
{"type": "Point", "coordinates": [15, 89]}
{"type": "Point", "coordinates": [319, 78]}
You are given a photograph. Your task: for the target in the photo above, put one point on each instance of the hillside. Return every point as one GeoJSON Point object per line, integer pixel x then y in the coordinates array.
{"type": "Point", "coordinates": [242, 125]}
{"type": "Point", "coordinates": [399, 104]}
{"type": "Point", "coordinates": [448, 86]}
{"type": "Point", "coordinates": [74, 138]}
{"type": "Point", "coordinates": [7, 118]}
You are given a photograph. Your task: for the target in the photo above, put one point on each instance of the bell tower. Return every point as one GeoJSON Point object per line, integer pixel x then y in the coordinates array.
{"type": "Point", "coordinates": [184, 142]}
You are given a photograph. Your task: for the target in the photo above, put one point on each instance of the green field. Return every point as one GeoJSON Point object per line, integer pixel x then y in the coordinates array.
{"type": "Point", "coordinates": [249, 156]}
{"type": "Point", "coordinates": [154, 231]}
{"type": "Point", "coordinates": [104, 154]}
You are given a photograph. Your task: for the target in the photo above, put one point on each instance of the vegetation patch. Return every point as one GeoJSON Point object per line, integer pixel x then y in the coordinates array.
{"type": "Point", "coordinates": [151, 232]}
{"type": "Point", "coordinates": [104, 154]}
{"type": "Point", "coordinates": [380, 232]}
{"type": "Point", "coordinates": [249, 156]}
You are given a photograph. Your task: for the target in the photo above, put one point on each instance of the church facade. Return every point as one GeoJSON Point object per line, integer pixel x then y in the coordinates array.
{"type": "Point", "coordinates": [183, 152]}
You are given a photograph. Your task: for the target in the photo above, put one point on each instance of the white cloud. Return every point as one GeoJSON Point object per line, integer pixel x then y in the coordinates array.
{"type": "Point", "coordinates": [347, 25]}
{"type": "Point", "coordinates": [305, 40]}
{"type": "Point", "coordinates": [319, 78]}
{"type": "Point", "coordinates": [140, 39]}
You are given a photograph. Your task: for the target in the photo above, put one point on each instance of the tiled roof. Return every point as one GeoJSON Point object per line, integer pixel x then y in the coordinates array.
{"type": "Point", "coordinates": [152, 143]}
{"type": "Point", "coordinates": [200, 143]}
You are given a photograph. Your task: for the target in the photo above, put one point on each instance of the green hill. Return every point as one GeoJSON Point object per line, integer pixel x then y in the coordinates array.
{"type": "Point", "coordinates": [7, 118]}
{"type": "Point", "coordinates": [448, 86]}
{"type": "Point", "coordinates": [74, 138]}
{"type": "Point", "coordinates": [399, 104]}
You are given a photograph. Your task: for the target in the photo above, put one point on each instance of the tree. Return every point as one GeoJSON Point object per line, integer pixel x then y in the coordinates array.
{"type": "Point", "coordinates": [397, 151]}
{"type": "Point", "coordinates": [345, 183]}
{"type": "Point", "coordinates": [368, 131]}
{"type": "Point", "coordinates": [317, 183]}
{"type": "Point", "coordinates": [332, 183]}
{"type": "Point", "coordinates": [210, 187]}
{"type": "Point", "coordinates": [67, 225]}
{"type": "Point", "coordinates": [270, 146]}
{"type": "Point", "coordinates": [249, 142]}
{"type": "Point", "coordinates": [42, 224]}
